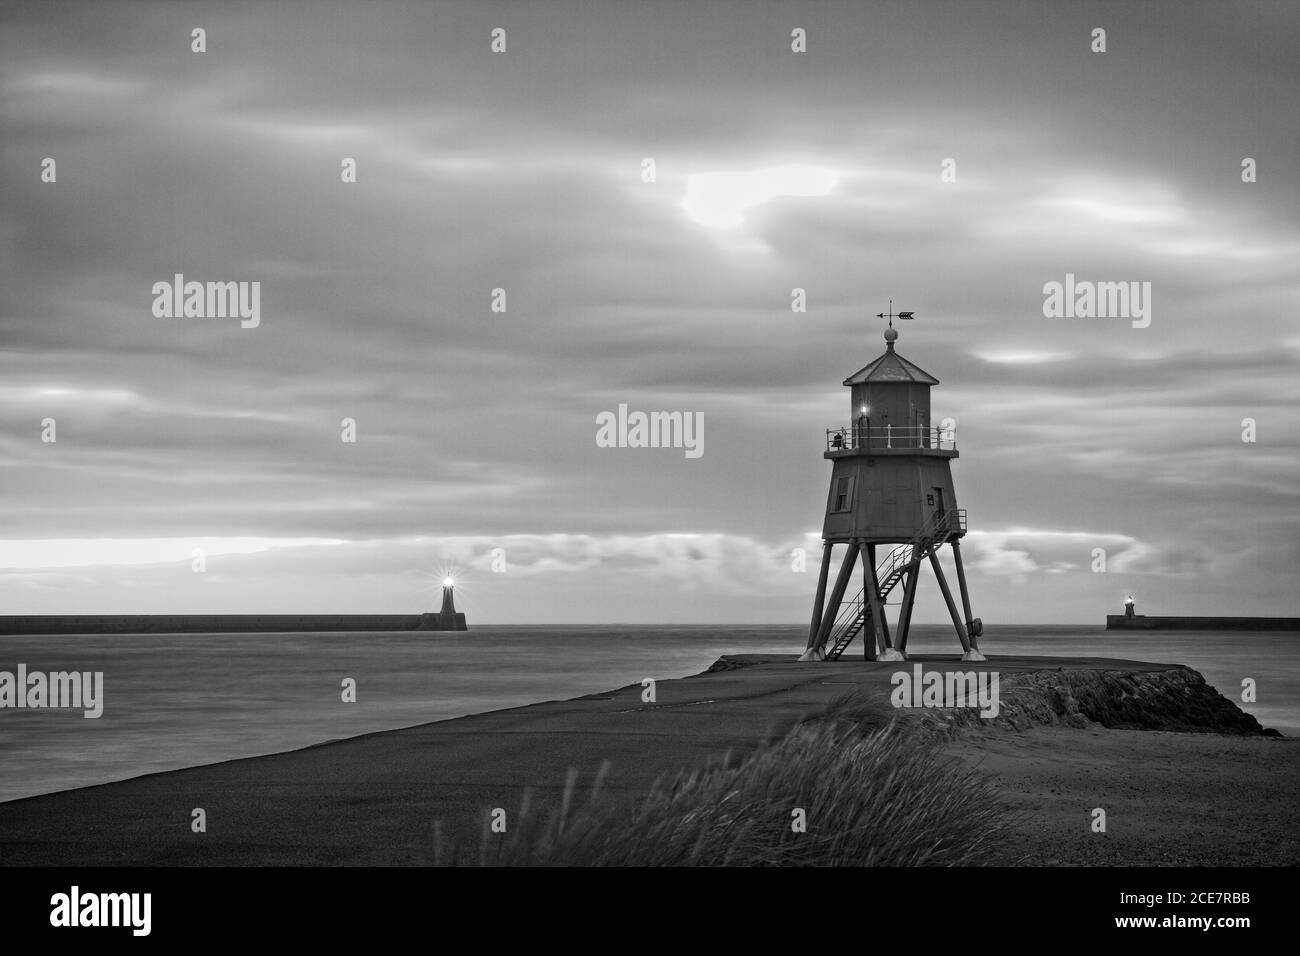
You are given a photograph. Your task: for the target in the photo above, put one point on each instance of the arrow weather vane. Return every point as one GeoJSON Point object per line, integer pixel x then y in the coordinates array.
{"type": "Point", "coordinates": [891, 316]}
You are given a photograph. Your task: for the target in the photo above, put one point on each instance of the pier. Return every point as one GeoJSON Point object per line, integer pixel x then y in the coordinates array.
{"type": "Point", "coordinates": [224, 623]}
{"type": "Point", "coordinates": [1140, 622]}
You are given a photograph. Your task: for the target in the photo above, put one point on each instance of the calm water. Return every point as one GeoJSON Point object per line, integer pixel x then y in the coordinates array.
{"type": "Point", "coordinates": [179, 700]}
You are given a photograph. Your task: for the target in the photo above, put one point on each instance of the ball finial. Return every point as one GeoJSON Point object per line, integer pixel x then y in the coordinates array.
{"type": "Point", "coordinates": [891, 336]}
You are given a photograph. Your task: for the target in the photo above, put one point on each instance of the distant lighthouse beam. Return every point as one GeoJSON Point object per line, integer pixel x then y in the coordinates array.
{"type": "Point", "coordinates": [447, 619]}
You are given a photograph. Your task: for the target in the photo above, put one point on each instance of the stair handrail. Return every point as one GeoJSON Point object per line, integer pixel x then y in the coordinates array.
{"type": "Point", "coordinates": [855, 608]}
{"type": "Point", "coordinates": [920, 540]}
{"type": "Point", "coordinates": [849, 611]}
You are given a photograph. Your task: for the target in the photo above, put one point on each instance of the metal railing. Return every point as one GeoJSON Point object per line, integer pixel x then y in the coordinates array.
{"type": "Point", "coordinates": [939, 528]}
{"type": "Point", "coordinates": [888, 437]}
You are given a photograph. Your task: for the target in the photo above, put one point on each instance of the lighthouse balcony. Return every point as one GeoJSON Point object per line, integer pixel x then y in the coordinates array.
{"type": "Point", "coordinates": [864, 439]}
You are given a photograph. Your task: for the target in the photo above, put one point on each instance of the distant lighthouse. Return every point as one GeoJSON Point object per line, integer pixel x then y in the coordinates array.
{"type": "Point", "coordinates": [891, 485]}
{"type": "Point", "coordinates": [448, 619]}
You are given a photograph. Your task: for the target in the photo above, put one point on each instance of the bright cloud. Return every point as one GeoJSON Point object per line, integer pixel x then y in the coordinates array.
{"type": "Point", "coordinates": [719, 200]}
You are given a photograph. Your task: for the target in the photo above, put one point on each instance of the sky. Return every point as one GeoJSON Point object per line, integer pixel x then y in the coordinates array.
{"type": "Point", "coordinates": [954, 158]}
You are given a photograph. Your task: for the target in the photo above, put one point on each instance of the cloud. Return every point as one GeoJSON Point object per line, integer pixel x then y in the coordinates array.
{"type": "Point", "coordinates": [1017, 552]}
{"type": "Point", "coordinates": [719, 200]}
{"type": "Point", "coordinates": [18, 555]}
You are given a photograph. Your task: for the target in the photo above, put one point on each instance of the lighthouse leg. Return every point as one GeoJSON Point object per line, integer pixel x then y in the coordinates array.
{"type": "Point", "coordinates": [952, 606]}
{"type": "Point", "coordinates": [819, 602]}
{"type": "Point", "coordinates": [833, 605]}
{"type": "Point", "coordinates": [965, 597]}
{"type": "Point", "coordinates": [886, 653]}
{"type": "Point", "coordinates": [887, 643]}
{"type": "Point", "coordinates": [905, 612]}
{"type": "Point", "coordinates": [870, 617]}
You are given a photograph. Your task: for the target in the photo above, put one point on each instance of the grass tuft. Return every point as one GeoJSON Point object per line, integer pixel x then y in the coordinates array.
{"type": "Point", "coordinates": [879, 798]}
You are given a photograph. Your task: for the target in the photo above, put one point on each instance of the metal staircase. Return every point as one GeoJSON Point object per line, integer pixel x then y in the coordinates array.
{"type": "Point", "coordinates": [941, 527]}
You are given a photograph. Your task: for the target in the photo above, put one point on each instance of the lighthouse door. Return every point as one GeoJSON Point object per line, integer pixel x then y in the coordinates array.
{"type": "Point", "coordinates": [938, 506]}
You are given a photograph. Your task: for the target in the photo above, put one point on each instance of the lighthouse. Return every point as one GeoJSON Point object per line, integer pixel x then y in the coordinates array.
{"type": "Point", "coordinates": [891, 505]}
{"type": "Point", "coordinates": [448, 619]}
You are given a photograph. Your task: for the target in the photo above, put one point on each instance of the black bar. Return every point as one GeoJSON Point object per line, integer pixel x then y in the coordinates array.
{"type": "Point", "coordinates": [305, 906]}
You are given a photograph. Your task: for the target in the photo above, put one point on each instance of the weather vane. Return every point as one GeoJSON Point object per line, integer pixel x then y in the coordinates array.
{"type": "Point", "coordinates": [891, 316]}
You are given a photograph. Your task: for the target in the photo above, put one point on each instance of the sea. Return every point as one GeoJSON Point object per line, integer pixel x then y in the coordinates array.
{"type": "Point", "coordinates": [181, 700]}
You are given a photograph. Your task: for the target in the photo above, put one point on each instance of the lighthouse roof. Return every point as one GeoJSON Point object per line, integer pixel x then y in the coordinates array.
{"type": "Point", "coordinates": [891, 367]}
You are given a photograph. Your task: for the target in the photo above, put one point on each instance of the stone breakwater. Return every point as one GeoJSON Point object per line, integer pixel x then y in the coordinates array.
{"type": "Point", "coordinates": [1177, 699]}
{"type": "Point", "coordinates": [1041, 692]}
{"type": "Point", "coordinates": [224, 623]}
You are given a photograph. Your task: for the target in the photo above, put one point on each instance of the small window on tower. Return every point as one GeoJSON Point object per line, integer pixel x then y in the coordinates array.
{"type": "Point", "coordinates": [843, 494]}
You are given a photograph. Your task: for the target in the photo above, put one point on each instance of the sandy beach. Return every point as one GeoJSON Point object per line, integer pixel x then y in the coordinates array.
{"type": "Point", "coordinates": [377, 799]}
{"type": "Point", "coordinates": [1171, 799]}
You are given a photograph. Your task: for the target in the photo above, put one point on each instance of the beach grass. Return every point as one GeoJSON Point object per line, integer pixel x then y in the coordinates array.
{"type": "Point", "coordinates": [864, 797]}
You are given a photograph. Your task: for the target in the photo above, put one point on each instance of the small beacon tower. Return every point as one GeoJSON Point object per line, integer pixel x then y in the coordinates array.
{"type": "Point", "coordinates": [891, 503]}
{"type": "Point", "coordinates": [448, 619]}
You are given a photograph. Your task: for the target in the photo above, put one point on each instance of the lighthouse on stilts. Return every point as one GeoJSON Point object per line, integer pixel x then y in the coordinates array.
{"type": "Point", "coordinates": [892, 504]}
